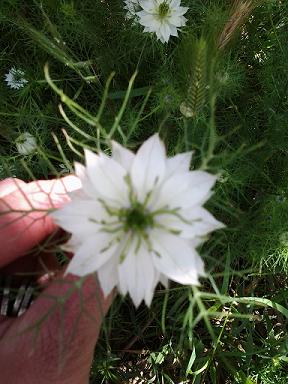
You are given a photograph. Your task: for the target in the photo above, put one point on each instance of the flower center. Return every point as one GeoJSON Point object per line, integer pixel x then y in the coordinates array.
{"type": "Point", "coordinates": [137, 219]}
{"type": "Point", "coordinates": [163, 10]}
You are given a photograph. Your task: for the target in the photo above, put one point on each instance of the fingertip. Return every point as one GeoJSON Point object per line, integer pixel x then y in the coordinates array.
{"type": "Point", "coordinates": [60, 186]}
{"type": "Point", "coordinates": [10, 185]}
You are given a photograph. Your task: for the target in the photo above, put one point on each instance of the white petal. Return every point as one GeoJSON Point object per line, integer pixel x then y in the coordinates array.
{"type": "Point", "coordinates": [203, 221]}
{"type": "Point", "coordinates": [147, 5]}
{"type": "Point", "coordinates": [175, 258]}
{"type": "Point", "coordinates": [191, 223]}
{"type": "Point", "coordinates": [179, 163]}
{"type": "Point", "coordinates": [150, 22]}
{"type": "Point", "coordinates": [141, 14]}
{"type": "Point", "coordinates": [80, 217]}
{"type": "Point", "coordinates": [201, 184]}
{"type": "Point", "coordinates": [107, 177]}
{"type": "Point", "coordinates": [87, 186]}
{"type": "Point", "coordinates": [165, 31]}
{"type": "Point", "coordinates": [108, 276]}
{"type": "Point", "coordinates": [122, 155]}
{"type": "Point", "coordinates": [150, 292]}
{"type": "Point", "coordinates": [138, 271]}
{"type": "Point", "coordinates": [175, 20]}
{"type": "Point", "coordinates": [186, 190]}
{"type": "Point", "coordinates": [164, 280]}
{"type": "Point", "coordinates": [80, 170]}
{"type": "Point", "coordinates": [159, 36]}
{"type": "Point", "coordinates": [170, 193]}
{"type": "Point", "coordinates": [195, 243]}
{"type": "Point", "coordinates": [175, 3]}
{"type": "Point", "coordinates": [72, 244]}
{"type": "Point", "coordinates": [91, 255]}
{"type": "Point", "coordinates": [181, 11]}
{"type": "Point", "coordinates": [149, 166]}
{"type": "Point", "coordinates": [173, 30]}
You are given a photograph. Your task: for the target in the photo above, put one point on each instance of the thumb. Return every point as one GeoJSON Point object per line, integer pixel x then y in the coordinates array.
{"type": "Point", "coordinates": [64, 321]}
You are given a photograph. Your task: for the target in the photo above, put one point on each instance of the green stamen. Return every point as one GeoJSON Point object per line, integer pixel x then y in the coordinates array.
{"type": "Point", "coordinates": [137, 219]}
{"type": "Point", "coordinates": [163, 10]}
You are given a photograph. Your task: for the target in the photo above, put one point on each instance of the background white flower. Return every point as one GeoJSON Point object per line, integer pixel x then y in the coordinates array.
{"type": "Point", "coordinates": [26, 143]}
{"type": "Point", "coordinates": [15, 78]}
{"type": "Point", "coordinates": [163, 17]}
{"type": "Point", "coordinates": [131, 6]}
{"type": "Point", "coordinates": [138, 219]}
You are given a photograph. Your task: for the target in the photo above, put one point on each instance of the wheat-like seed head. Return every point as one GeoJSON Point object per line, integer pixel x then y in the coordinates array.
{"type": "Point", "coordinates": [240, 10]}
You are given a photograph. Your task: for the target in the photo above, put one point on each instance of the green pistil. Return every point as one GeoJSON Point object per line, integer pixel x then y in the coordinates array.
{"type": "Point", "coordinates": [163, 10]}
{"type": "Point", "coordinates": [137, 219]}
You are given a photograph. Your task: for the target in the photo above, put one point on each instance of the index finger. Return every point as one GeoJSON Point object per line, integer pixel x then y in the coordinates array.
{"type": "Point", "coordinates": [24, 220]}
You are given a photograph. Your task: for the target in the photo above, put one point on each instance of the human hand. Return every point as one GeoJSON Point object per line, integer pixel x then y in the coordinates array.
{"type": "Point", "coordinates": [53, 341]}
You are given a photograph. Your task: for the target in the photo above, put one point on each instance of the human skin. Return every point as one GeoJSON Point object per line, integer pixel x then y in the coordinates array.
{"type": "Point", "coordinates": [54, 340]}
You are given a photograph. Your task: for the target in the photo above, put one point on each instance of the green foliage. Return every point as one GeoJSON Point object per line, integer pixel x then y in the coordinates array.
{"type": "Point", "coordinates": [113, 81]}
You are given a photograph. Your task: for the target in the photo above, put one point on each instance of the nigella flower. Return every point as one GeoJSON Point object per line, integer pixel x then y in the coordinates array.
{"type": "Point", "coordinates": [26, 143]}
{"type": "Point", "coordinates": [131, 6]}
{"type": "Point", "coordinates": [15, 78]}
{"type": "Point", "coordinates": [163, 17]}
{"type": "Point", "coordinates": [138, 219]}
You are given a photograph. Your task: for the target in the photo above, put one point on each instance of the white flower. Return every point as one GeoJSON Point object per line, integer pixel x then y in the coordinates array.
{"type": "Point", "coordinates": [138, 219]}
{"type": "Point", "coordinates": [26, 143]}
{"type": "Point", "coordinates": [163, 17]}
{"type": "Point", "coordinates": [131, 6]}
{"type": "Point", "coordinates": [15, 78]}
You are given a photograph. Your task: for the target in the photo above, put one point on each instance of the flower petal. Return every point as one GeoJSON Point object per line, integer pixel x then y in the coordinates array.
{"type": "Point", "coordinates": [175, 258]}
{"type": "Point", "coordinates": [149, 166]}
{"type": "Point", "coordinates": [190, 223]}
{"type": "Point", "coordinates": [87, 186]}
{"type": "Point", "coordinates": [149, 22]}
{"type": "Point", "coordinates": [164, 280]}
{"type": "Point", "coordinates": [122, 155]}
{"type": "Point", "coordinates": [175, 3]}
{"type": "Point", "coordinates": [94, 252]}
{"type": "Point", "coordinates": [175, 20]}
{"type": "Point", "coordinates": [179, 163]}
{"type": "Point", "coordinates": [185, 190]}
{"type": "Point", "coordinates": [108, 276]}
{"type": "Point", "coordinates": [107, 177]}
{"type": "Point", "coordinates": [80, 217]}
{"type": "Point", "coordinates": [165, 31]}
{"type": "Point", "coordinates": [173, 30]}
{"type": "Point", "coordinates": [202, 222]}
{"type": "Point", "coordinates": [138, 271]}
{"type": "Point", "coordinates": [147, 5]}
